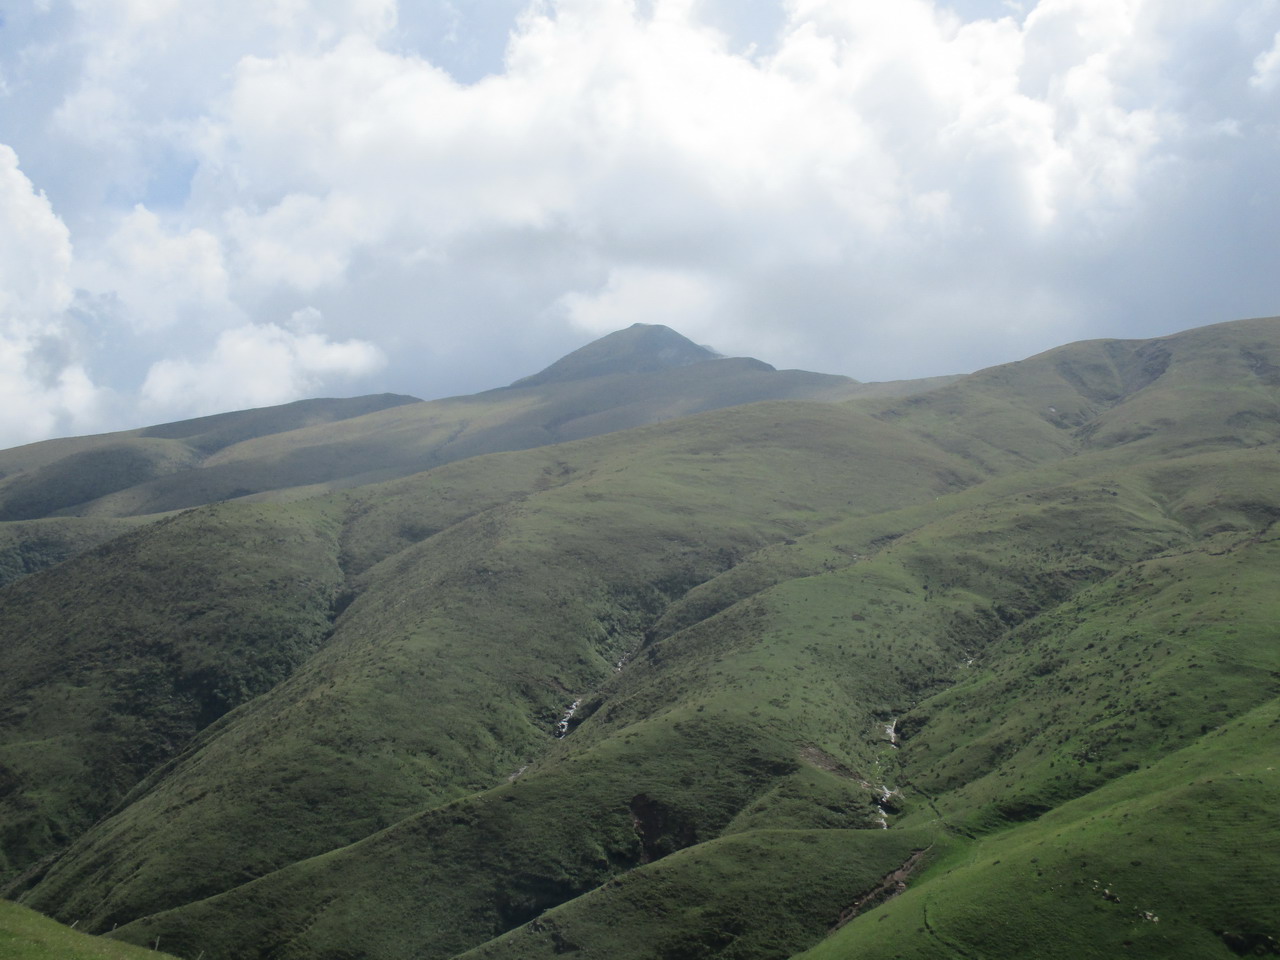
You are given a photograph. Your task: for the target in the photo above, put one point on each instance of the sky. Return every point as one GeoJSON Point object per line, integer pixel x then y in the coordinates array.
{"type": "Point", "coordinates": [209, 207]}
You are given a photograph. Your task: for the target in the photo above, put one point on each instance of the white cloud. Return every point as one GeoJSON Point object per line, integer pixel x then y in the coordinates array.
{"type": "Point", "coordinates": [35, 248]}
{"type": "Point", "coordinates": [163, 277]}
{"type": "Point", "coordinates": [257, 365]}
{"type": "Point", "coordinates": [886, 189]}
{"type": "Point", "coordinates": [43, 389]}
{"type": "Point", "coordinates": [1266, 68]}
{"type": "Point", "coordinates": [638, 295]}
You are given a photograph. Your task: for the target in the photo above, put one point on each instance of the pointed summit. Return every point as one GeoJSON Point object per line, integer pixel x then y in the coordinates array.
{"type": "Point", "coordinates": [641, 348]}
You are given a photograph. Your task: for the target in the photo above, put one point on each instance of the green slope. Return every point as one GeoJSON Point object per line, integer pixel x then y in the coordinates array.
{"type": "Point", "coordinates": [115, 659]}
{"type": "Point", "coordinates": [26, 935]}
{"type": "Point", "coordinates": [347, 745]}
{"type": "Point", "coordinates": [1173, 860]}
{"type": "Point", "coordinates": [990, 642]}
{"type": "Point", "coordinates": [739, 758]}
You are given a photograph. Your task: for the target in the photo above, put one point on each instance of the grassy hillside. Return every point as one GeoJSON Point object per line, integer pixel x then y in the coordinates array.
{"type": "Point", "coordinates": [722, 686]}
{"type": "Point", "coordinates": [350, 728]}
{"type": "Point", "coordinates": [1176, 859]}
{"type": "Point", "coordinates": [115, 659]}
{"type": "Point", "coordinates": [26, 935]}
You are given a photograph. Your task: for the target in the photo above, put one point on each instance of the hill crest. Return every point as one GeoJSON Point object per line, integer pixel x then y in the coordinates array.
{"type": "Point", "coordinates": [640, 348]}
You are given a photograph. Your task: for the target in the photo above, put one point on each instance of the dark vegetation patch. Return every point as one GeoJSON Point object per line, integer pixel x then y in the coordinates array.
{"type": "Point", "coordinates": [81, 477]}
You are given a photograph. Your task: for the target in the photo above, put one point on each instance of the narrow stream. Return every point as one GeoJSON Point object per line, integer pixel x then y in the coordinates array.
{"type": "Point", "coordinates": [562, 727]}
{"type": "Point", "coordinates": [885, 795]}
{"type": "Point", "coordinates": [891, 731]}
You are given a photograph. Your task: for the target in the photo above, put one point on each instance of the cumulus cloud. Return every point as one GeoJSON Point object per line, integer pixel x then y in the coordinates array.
{"type": "Point", "coordinates": [883, 190]}
{"type": "Point", "coordinates": [1266, 68]}
{"type": "Point", "coordinates": [162, 277]}
{"type": "Point", "coordinates": [257, 365]}
{"type": "Point", "coordinates": [638, 295]}
{"type": "Point", "coordinates": [883, 151]}
{"type": "Point", "coordinates": [43, 389]}
{"type": "Point", "coordinates": [35, 248]}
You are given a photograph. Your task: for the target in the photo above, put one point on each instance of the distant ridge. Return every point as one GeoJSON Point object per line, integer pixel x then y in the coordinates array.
{"type": "Point", "coordinates": [641, 375]}
{"type": "Point", "coordinates": [640, 348]}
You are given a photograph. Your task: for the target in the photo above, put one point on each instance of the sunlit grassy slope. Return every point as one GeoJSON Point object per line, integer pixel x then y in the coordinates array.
{"type": "Point", "coordinates": [718, 687]}
{"type": "Point", "coordinates": [1175, 859]}
{"type": "Point", "coordinates": [26, 935]}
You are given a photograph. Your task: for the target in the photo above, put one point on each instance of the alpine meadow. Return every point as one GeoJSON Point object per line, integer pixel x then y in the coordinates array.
{"type": "Point", "coordinates": [659, 655]}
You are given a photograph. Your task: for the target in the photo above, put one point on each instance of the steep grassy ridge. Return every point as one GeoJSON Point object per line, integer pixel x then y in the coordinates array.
{"type": "Point", "coordinates": [1210, 388]}
{"type": "Point", "coordinates": [707, 900]}
{"type": "Point", "coordinates": [115, 659]}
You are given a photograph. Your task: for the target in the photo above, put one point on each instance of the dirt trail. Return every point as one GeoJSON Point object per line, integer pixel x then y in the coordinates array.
{"type": "Point", "coordinates": [890, 885]}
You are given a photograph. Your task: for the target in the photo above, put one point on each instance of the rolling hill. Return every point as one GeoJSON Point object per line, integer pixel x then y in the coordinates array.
{"type": "Point", "coordinates": [661, 655]}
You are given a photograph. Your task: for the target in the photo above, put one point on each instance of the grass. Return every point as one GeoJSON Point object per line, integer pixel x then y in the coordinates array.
{"type": "Point", "coordinates": [707, 900]}
{"type": "Point", "coordinates": [1174, 860]}
{"type": "Point", "coordinates": [26, 935]}
{"type": "Point", "coordinates": [349, 745]}
{"type": "Point", "coordinates": [116, 658]}
{"type": "Point", "coordinates": [1052, 581]}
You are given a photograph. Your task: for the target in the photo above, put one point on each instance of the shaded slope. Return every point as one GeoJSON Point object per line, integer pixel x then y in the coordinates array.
{"type": "Point", "coordinates": [115, 659]}
{"type": "Point", "coordinates": [27, 547]}
{"type": "Point", "coordinates": [56, 476]}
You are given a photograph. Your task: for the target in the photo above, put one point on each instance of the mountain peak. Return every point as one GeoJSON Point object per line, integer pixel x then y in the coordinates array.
{"type": "Point", "coordinates": [640, 348]}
